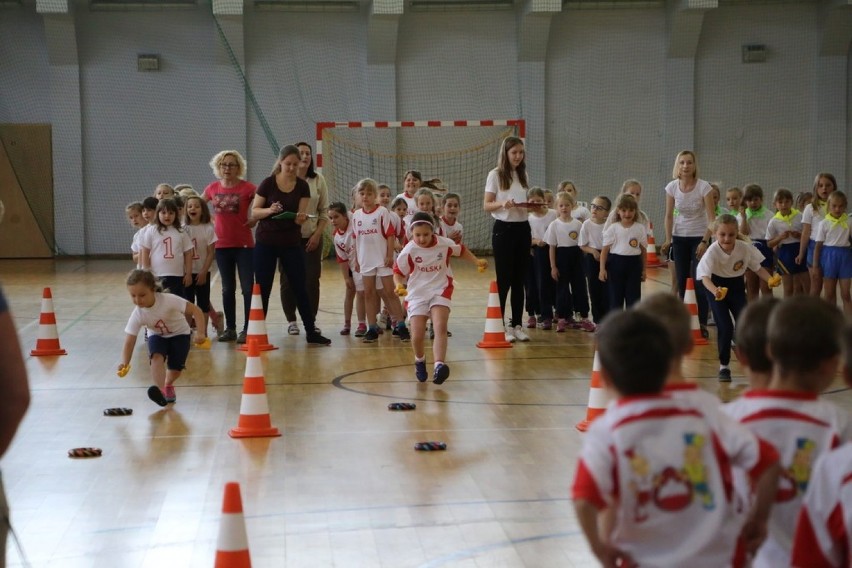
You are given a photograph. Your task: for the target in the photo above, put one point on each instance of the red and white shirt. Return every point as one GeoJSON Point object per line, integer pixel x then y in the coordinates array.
{"type": "Point", "coordinates": [166, 249]}
{"type": "Point", "coordinates": [428, 268]}
{"type": "Point", "coordinates": [344, 245]}
{"type": "Point", "coordinates": [824, 528]}
{"type": "Point", "coordinates": [165, 318]}
{"type": "Point", "coordinates": [666, 467]}
{"type": "Point", "coordinates": [371, 230]}
{"type": "Point", "coordinates": [801, 427]}
{"type": "Point", "coordinates": [448, 230]}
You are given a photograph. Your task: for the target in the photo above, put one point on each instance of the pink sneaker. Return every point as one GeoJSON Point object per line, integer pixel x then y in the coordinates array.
{"type": "Point", "coordinates": [531, 322]}
{"type": "Point", "coordinates": [547, 324]}
{"type": "Point", "coordinates": [587, 325]}
{"type": "Point", "coordinates": [560, 326]}
{"type": "Point", "coordinates": [572, 323]}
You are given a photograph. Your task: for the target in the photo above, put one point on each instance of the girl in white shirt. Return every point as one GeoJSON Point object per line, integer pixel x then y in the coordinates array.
{"type": "Point", "coordinates": [566, 266]}
{"type": "Point", "coordinates": [539, 285]}
{"type": "Point", "coordinates": [721, 270]}
{"type": "Point", "coordinates": [591, 243]}
{"type": "Point", "coordinates": [782, 235]}
{"type": "Point", "coordinates": [623, 255]}
{"type": "Point", "coordinates": [824, 184]}
{"type": "Point", "coordinates": [166, 249]}
{"type": "Point", "coordinates": [832, 253]}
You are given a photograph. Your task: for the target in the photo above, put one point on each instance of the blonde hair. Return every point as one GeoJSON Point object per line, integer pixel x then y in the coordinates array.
{"type": "Point", "coordinates": [681, 154]}
{"type": "Point", "coordinates": [216, 162]}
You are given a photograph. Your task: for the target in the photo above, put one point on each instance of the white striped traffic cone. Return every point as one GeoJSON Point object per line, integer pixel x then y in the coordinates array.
{"type": "Point", "coordinates": [652, 260]}
{"type": "Point", "coordinates": [254, 419]}
{"type": "Point", "coordinates": [692, 306]}
{"type": "Point", "coordinates": [598, 396]}
{"type": "Point", "coordinates": [47, 343]}
{"type": "Point", "coordinates": [232, 546]}
{"type": "Point", "coordinates": [495, 334]}
{"type": "Point", "coordinates": [257, 324]}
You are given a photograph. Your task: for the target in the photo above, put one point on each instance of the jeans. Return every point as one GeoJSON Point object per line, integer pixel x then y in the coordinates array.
{"type": "Point", "coordinates": [230, 262]}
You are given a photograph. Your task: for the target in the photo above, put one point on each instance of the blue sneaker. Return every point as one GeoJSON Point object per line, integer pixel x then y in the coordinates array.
{"type": "Point", "coordinates": [442, 373]}
{"type": "Point", "coordinates": [420, 371]}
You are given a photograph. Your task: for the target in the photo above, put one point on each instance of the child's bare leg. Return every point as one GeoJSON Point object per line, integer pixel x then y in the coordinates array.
{"type": "Point", "coordinates": [845, 285]}
{"type": "Point", "coordinates": [829, 287]}
{"type": "Point", "coordinates": [158, 370]}
{"type": "Point", "coordinates": [391, 299]}
{"type": "Point", "coordinates": [418, 336]}
{"type": "Point", "coordinates": [802, 283]}
{"type": "Point", "coordinates": [171, 376]}
{"type": "Point", "coordinates": [360, 306]}
{"type": "Point", "coordinates": [440, 315]}
{"type": "Point", "coordinates": [348, 301]}
{"type": "Point", "coordinates": [673, 275]}
{"type": "Point", "coordinates": [766, 291]}
{"type": "Point", "coordinates": [752, 286]}
{"type": "Point", "coordinates": [816, 281]}
{"type": "Point", "coordinates": [787, 282]}
{"type": "Point", "coordinates": [371, 299]}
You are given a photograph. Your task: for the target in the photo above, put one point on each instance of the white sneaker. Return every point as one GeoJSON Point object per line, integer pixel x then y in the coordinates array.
{"type": "Point", "coordinates": [510, 334]}
{"type": "Point", "coordinates": [520, 334]}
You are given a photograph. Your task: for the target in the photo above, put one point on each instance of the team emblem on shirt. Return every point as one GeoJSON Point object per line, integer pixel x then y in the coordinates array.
{"type": "Point", "coordinates": [673, 488]}
{"type": "Point", "coordinates": [440, 256]}
{"type": "Point", "coordinates": [573, 235]}
{"type": "Point", "coordinates": [738, 264]}
{"type": "Point", "coordinates": [418, 259]}
{"type": "Point", "coordinates": [634, 243]}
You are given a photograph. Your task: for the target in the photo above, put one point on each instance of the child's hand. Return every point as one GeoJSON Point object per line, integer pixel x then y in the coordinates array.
{"type": "Point", "coordinates": [774, 281]}
{"type": "Point", "coordinates": [350, 284]}
{"type": "Point", "coordinates": [202, 342]}
{"type": "Point", "coordinates": [554, 273]}
{"type": "Point", "coordinates": [123, 369]}
{"type": "Point", "coordinates": [799, 259]}
{"type": "Point", "coordinates": [721, 293]}
{"type": "Point", "coordinates": [596, 255]}
{"type": "Point", "coordinates": [481, 265]}
{"type": "Point", "coordinates": [602, 275]}
{"type": "Point", "coordinates": [187, 280]}
{"type": "Point", "coordinates": [201, 279]}
{"type": "Point", "coordinates": [401, 290]}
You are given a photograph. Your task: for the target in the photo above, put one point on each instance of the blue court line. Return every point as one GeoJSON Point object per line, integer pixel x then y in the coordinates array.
{"type": "Point", "coordinates": [477, 550]}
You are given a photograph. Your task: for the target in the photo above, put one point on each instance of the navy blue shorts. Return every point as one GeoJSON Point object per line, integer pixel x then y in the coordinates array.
{"type": "Point", "coordinates": [768, 256]}
{"type": "Point", "coordinates": [175, 349]}
{"type": "Point", "coordinates": [787, 259]}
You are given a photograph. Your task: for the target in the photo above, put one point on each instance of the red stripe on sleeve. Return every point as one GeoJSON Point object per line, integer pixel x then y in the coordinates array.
{"type": "Point", "coordinates": [586, 488]}
{"type": "Point", "coordinates": [767, 456]}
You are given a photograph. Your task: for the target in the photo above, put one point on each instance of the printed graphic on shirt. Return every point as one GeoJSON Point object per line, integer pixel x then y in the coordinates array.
{"type": "Point", "coordinates": [738, 265]}
{"type": "Point", "coordinates": [226, 203]}
{"type": "Point", "coordinates": [795, 477]}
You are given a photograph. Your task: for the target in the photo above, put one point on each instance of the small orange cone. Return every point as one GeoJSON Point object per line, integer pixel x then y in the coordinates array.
{"type": "Point", "coordinates": [254, 419]}
{"type": "Point", "coordinates": [232, 546]}
{"type": "Point", "coordinates": [598, 396]}
{"type": "Point", "coordinates": [692, 306]}
{"type": "Point", "coordinates": [495, 334]}
{"type": "Point", "coordinates": [257, 324]}
{"type": "Point", "coordinates": [652, 260]}
{"type": "Point", "coordinates": [48, 337]}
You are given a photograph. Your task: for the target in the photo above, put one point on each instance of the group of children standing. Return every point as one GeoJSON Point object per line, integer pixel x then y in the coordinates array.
{"type": "Point", "coordinates": [669, 477]}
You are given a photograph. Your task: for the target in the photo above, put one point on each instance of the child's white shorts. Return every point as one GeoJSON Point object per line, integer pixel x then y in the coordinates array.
{"type": "Point", "coordinates": [423, 306]}
{"type": "Point", "coordinates": [359, 282]}
{"type": "Point", "coordinates": [379, 272]}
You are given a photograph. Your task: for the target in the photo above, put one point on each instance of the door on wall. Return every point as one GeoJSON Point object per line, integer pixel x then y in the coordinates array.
{"type": "Point", "coordinates": [26, 189]}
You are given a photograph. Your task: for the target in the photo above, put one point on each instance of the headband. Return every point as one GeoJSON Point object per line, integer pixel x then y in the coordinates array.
{"type": "Point", "coordinates": [423, 222]}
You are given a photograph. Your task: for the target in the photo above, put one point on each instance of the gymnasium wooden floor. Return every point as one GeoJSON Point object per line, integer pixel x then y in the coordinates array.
{"type": "Point", "coordinates": [343, 486]}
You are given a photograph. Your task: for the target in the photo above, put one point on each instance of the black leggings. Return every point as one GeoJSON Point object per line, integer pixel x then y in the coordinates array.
{"type": "Point", "coordinates": [511, 243]}
{"type": "Point", "coordinates": [733, 304]}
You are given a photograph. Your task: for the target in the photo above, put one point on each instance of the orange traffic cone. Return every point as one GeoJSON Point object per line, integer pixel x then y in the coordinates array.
{"type": "Point", "coordinates": [254, 419]}
{"type": "Point", "coordinates": [692, 306]}
{"type": "Point", "coordinates": [48, 338]}
{"type": "Point", "coordinates": [257, 324]}
{"type": "Point", "coordinates": [495, 335]}
{"type": "Point", "coordinates": [652, 260]}
{"type": "Point", "coordinates": [232, 547]}
{"type": "Point", "coordinates": [598, 396]}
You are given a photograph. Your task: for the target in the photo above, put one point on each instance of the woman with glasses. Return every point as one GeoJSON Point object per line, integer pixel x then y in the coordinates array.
{"type": "Point", "coordinates": [230, 197]}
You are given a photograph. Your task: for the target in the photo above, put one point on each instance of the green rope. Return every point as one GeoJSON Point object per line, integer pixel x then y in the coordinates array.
{"type": "Point", "coordinates": [270, 137]}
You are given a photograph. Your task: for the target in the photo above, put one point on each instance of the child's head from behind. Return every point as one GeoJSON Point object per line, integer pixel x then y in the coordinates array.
{"type": "Point", "coordinates": [141, 285]}
{"type": "Point", "coordinates": [837, 204]}
{"type": "Point", "coordinates": [164, 191]}
{"type": "Point", "coordinates": [196, 210]}
{"type": "Point", "coordinates": [134, 215]}
{"type": "Point", "coordinates": [670, 311]}
{"type": "Point", "coordinates": [803, 341]}
{"type": "Point", "coordinates": [635, 351]}
{"type": "Point", "coordinates": [338, 215]}
{"type": "Point", "coordinates": [168, 214]}
{"type": "Point", "coordinates": [751, 339]}
{"type": "Point", "coordinates": [422, 228]}
{"type": "Point", "coordinates": [753, 196]}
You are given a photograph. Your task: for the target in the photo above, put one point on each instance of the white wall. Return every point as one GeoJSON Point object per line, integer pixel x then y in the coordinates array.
{"type": "Point", "coordinates": [610, 102]}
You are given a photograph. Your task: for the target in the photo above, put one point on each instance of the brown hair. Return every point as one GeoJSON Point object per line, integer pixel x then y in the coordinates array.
{"type": "Point", "coordinates": [504, 168]}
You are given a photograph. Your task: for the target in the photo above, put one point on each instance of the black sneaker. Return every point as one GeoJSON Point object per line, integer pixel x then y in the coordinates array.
{"type": "Point", "coordinates": [316, 338]}
{"type": "Point", "coordinates": [402, 332]}
{"type": "Point", "coordinates": [241, 338]}
{"type": "Point", "coordinates": [420, 371]}
{"type": "Point", "coordinates": [228, 335]}
{"type": "Point", "coordinates": [704, 333]}
{"type": "Point", "coordinates": [155, 394]}
{"type": "Point", "coordinates": [724, 375]}
{"type": "Point", "coordinates": [371, 336]}
{"type": "Point", "coordinates": [442, 373]}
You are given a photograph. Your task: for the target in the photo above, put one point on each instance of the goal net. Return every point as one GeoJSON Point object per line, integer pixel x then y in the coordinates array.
{"type": "Point", "coordinates": [458, 153]}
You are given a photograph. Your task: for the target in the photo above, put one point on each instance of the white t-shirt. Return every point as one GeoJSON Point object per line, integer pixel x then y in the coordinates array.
{"type": "Point", "coordinates": [165, 318]}
{"type": "Point", "coordinates": [538, 225]}
{"type": "Point", "coordinates": [202, 236]}
{"type": "Point", "coordinates": [411, 201]}
{"type": "Point", "coordinates": [824, 530]}
{"type": "Point", "coordinates": [447, 230]}
{"type": "Point", "coordinates": [344, 245]}
{"type": "Point", "coordinates": [832, 234]}
{"type": "Point", "coordinates": [778, 225]}
{"type": "Point", "coordinates": [428, 268]}
{"type": "Point", "coordinates": [718, 262]}
{"type": "Point", "coordinates": [757, 223]}
{"type": "Point", "coordinates": [665, 466]}
{"type": "Point", "coordinates": [809, 213]}
{"type": "Point", "coordinates": [591, 234]}
{"type": "Point", "coordinates": [626, 241]}
{"type": "Point", "coordinates": [563, 233]}
{"type": "Point", "coordinates": [801, 427]}
{"type": "Point", "coordinates": [166, 250]}
{"type": "Point", "coordinates": [581, 213]}
{"type": "Point", "coordinates": [691, 218]}
{"type": "Point", "coordinates": [371, 230]}
{"type": "Point", "coordinates": [516, 192]}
